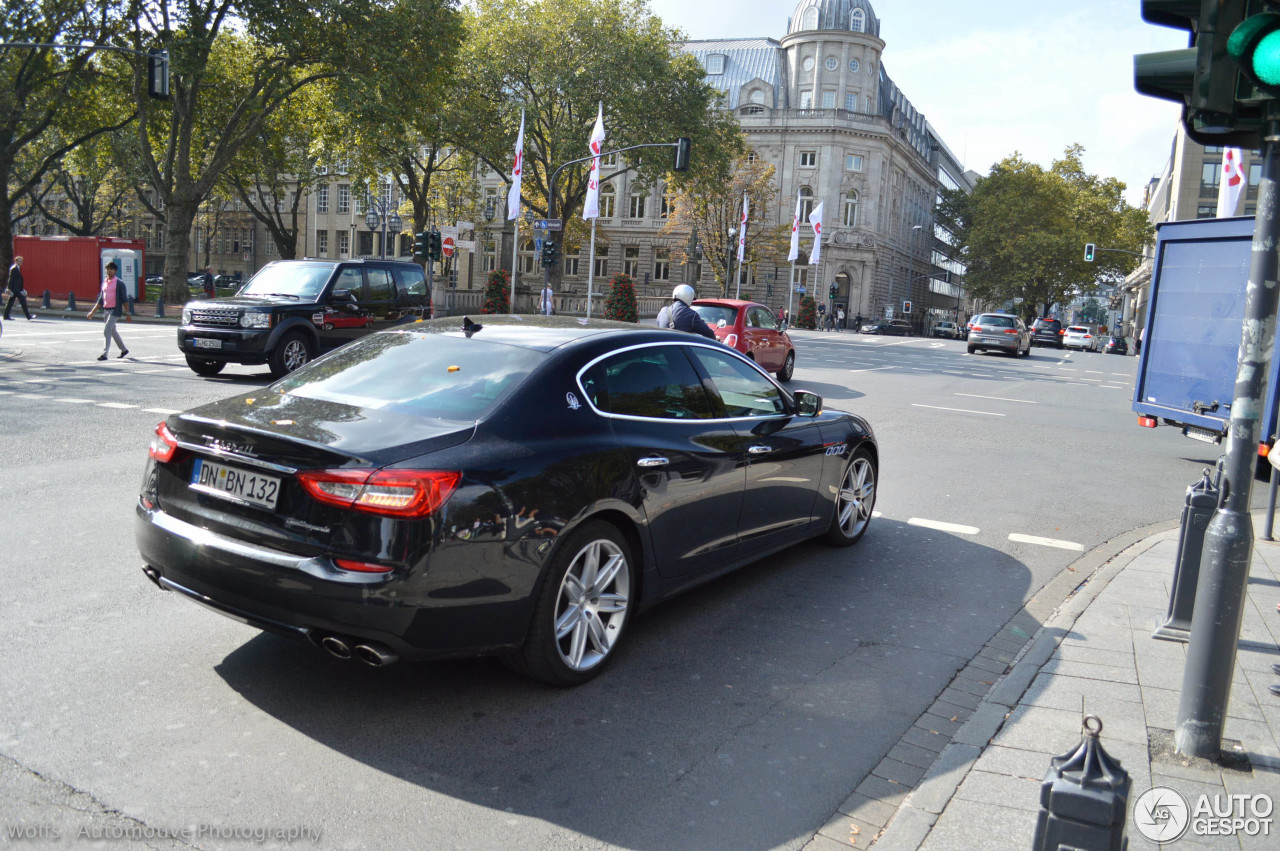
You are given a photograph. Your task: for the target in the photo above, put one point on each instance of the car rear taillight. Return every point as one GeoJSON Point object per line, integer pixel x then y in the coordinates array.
{"type": "Point", "coordinates": [731, 340]}
{"type": "Point", "coordinates": [1011, 330]}
{"type": "Point", "coordinates": [975, 327]}
{"type": "Point", "coordinates": [163, 445]}
{"type": "Point", "coordinates": [1264, 449]}
{"type": "Point", "coordinates": [1062, 332]}
{"type": "Point", "coordinates": [1147, 422]}
{"type": "Point", "coordinates": [397, 493]}
{"type": "Point", "coordinates": [361, 566]}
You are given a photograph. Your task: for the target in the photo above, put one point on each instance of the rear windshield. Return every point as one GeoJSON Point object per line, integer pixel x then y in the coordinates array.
{"type": "Point", "coordinates": [1076, 329]}
{"type": "Point", "coordinates": [1048, 323]}
{"type": "Point", "coordinates": [995, 321]}
{"type": "Point", "coordinates": [304, 281]}
{"type": "Point", "coordinates": [713, 313]}
{"type": "Point", "coordinates": [421, 375]}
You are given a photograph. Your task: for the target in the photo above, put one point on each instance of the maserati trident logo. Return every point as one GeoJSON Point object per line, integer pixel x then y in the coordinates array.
{"type": "Point", "coordinates": [231, 447]}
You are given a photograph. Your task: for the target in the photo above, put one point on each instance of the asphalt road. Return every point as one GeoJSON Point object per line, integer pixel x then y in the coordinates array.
{"type": "Point", "coordinates": [738, 716]}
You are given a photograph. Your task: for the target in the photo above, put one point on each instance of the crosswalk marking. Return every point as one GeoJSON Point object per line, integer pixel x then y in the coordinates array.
{"type": "Point", "coordinates": [1045, 542]}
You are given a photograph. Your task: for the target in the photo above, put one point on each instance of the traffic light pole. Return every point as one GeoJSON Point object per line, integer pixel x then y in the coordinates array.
{"type": "Point", "coordinates": [1228, 545]}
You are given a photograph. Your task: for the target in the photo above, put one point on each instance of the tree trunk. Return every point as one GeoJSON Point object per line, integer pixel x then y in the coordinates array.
{"type": "Point", "coordinates": [181, 217]}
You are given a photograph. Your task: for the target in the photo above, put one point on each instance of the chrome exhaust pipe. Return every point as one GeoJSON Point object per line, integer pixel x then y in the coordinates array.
{"type": "Point", "coordinates": [154, 576]}
{"type": "Point", "coordinates": [375, 655]}
{"type": "Point", "coordinates": [337, 647]}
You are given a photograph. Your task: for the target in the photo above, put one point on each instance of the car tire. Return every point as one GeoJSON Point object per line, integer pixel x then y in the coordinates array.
{"type": "Point", "coordinates": [788, 368]}
{"type": "Point", "coordinates": [204, 366]}
{"type": "Point", "coordinates": [293, 350]}
{"type": "Point", "coordinates": [575, 630]}
{"type": "Point", "coordinates": [855, 501]}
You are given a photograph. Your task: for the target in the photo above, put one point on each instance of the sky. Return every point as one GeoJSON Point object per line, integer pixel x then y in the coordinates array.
{"type": "Point", "coordinates": [998, 76]}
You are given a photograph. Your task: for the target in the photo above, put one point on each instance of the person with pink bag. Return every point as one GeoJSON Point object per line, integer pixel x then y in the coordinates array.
{"type": "Point", "coordinates": [111, 299]}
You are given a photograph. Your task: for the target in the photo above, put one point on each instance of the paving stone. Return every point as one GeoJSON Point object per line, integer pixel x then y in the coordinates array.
{"type": "Point", "coordinates": [912, 755]}
{"type": "Point", "coordinates": [997, 654]}
{"type": "Point", "coordinates": [943, 778]}
{"type": "Point", "coordinates": [868, 810]}
{"type": "Point", "coordinates": [960, 698]}
{"type": "Point", "coordinates": [824, 843]}
{"type": "Point", "coordinates": [984, 664]}
{"type": "Point", "coordinates": [982, 727]}
{"type": "Point", "coordinates": [1063, 692]}
{"type": "Point", "coordinates": [1039, 728]}
{"type": "Point", "coordinates": [1011, 689]}
{"type": "Point", "coordinates": [849, 832]}
{"type": "Point", "coordinates": [1105, 673]}
{"type": "Point", "coordinates": [1001, 790]}
{"type": "Point", "coordinates": [898, 772]}
{"type": "Point", "coordinates": [970, 826]}
{"type": "Point", "coordinates": [949, 711]}
{"type": "Point", "coordinates": [976, 687]}
{"type": "Point", "coordinates": [937, 723]}
{"type": "Point", "coordinates": [1013, 761]}
{"type": "Point", "coordinates": [879, 789]}
{"type": "Point", "coordinates": [1007, 644]}
{"type": "Point", "coordinates": [907, 830]}
{"type": "Point", "coordinates": [925, 739]}
{"type": "Point", "coordinates": [1093, 655]}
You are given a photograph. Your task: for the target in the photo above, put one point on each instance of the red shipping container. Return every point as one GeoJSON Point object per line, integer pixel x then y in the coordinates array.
{"type": "Point", "coordinates": [70, 264]}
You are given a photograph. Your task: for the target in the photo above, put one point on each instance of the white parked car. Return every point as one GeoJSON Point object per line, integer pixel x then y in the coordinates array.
{"type": "Point", "coordinates": [1080, 337]}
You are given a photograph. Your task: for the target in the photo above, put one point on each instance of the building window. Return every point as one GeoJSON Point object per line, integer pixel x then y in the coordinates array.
{"type": "Point", "coordinates": [602, 262]}
{"type": "Point", "coordinates": [851, 210]}
{"type": "Point", "coordinates": [857, 22]}
{"type": "Point", "coordinates": [715, 64]}
{"type": "Point", "coordinates": [637, 207]}
{"type": "Point", "coordinates": [831, 63]}
{"type": "Point", "coordinates": [853, 65]}
{"type": "Point", "coordinates": [808, 159]}
{"type": "Point", "coordinates": [1211, 174]}
{"type": "Point", "coordinates": [1255, 174]}
{"type": "Point", "coordinates": [757, 97]}
{"type": "Point", "coordinates": [271, 249]}
{"type": "Point", "coordinates": [799, 276]}
{"type": "Point", "coordinates": [752, 157]}
{"type": "Point", "coordinates": [755, 110]}
{"type": "Point", "coordinates": [806, 100]}
{"type": "Point", "coordinates": [608, 201]}
{"type": "Point", "coordinates": [662, 264]}
{"type": "Point", "coordinates": [344, 198]}
{"type": "Point", "coordinates": [851, 101]}
{"type": "Point", "coordinates": [526, 257]}
{"type": "Point", "coordinates": [1206, 211]}
{"type": "Point", "coordinates": [322, 243]}
{"type": "Point", "coordinates": [366, 243]}
{"type": "Point", "coordinates": [828, 100]}
{"type": "Point", "coordinates": [806, 203]}
{"type": "Point", "coordinates": [668, 205]}
{"type": "Point", "coordinates": [322, 198]}
{"type": "Point", "coordinates": [631, 261]}
{"type": "Point", "coordinates": [357, 205]}
{"type": "Point", "coordinates": [609, 161]}
{"type": "Point", "coordinates": [490, 250]}
{"type": "Point", "coordinates": [810, 19]}
{"type": "Point", "coordinates": [853, 162]}
{"type": "Point", "coordinates": [570, 259]}
{"type": "Point", "coordinates": [344, 244]}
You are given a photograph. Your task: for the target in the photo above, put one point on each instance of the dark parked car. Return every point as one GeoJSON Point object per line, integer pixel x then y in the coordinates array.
{"type": "Point", "coordinates": [889, 327]}
{"type": "Point", "coordinates": [1047, 332]}
{"type": "Point", "coordinates": [999, 331]}
{"type": "Point", "coordinates": [1115, 346]}
{"type": "Point", "coordinates": [292, 310]}
{"type": "Point", "coordinates": [522, 488]}
{"type": "Point", "coordinates": [752, 329]}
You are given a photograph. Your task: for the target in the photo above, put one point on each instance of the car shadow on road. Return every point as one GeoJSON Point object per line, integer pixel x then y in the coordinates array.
{"type": "Point", "coordinates": [739, 714]}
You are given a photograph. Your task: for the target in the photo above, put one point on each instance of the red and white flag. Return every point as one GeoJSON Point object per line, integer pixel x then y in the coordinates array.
{"type": "Point", "coordinates": [1232, 182]}
{"type": "Point", "coordinates": [591, 206]}
{"type": "Point", "coordinates": [742, 230]}
{"type": "Point", "coordinates": [815, 219]}
{"type": "Point", "coordinates": [795, 233]}
{"type": "Point", "coordinates": [517, 171]}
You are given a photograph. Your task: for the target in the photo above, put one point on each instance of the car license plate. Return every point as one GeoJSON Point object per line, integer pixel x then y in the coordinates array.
{"type": "Point", "coordinates": [230, 483]}
{"type": "Point", "coordinates": [202, 343]}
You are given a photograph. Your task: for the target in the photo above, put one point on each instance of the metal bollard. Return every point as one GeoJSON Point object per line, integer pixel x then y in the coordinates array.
{"type": "Point", "coordinates": [1202, 499]}
{"type": "Point", "coordinates": [132, 311]}
{"type": "Point", "coordinates": [160, 306]}
{"type": "Point", "coordinates": [45, 301]}
{"type": "Point", "coordinates": [71, 301]}
{"type": "Point", "coordinates": [1084, 798]}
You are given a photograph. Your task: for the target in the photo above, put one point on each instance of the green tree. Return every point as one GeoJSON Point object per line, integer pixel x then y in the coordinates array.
{"type": "Point", "coordinates": [1023, 230]}
{"type": "Point", "coordinates": [90, 187]}
{"type": "Point", "coordinates": [51, 100]}
{"type": "Point", "coordinates": [497, 292]}
{"type": "Point", "coordinates": [233, 64]}
{"type": "Point", "coordinates": [621, 304]}
{"type": "Point", "coordinates": [808, 313]}
{"type": "Point", "coordinates": [1093, 311]}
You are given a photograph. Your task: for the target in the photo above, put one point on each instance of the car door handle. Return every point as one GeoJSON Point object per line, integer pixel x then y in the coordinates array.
{"type": "Point", "coordinates": [759, 450]}
{"type": "Point", "coordinates": [653, 461]}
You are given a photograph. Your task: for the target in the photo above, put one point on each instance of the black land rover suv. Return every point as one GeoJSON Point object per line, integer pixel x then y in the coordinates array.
{"type": "Point", "coordinates": [1047, 332]}
{"type": "Point", "coordinates": [293, 310]}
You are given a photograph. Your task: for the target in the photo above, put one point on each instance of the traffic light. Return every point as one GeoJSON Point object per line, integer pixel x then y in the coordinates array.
{"type": "Point", "coordinates": [833, 289]}
{"type": "Point", "coordinates": [768, 290]}
{"type": "Point", "coordinates": [550, 253]}
{"type": "Point", "coordinates": [682, 153]}
{"type": "Point", "coordinates": [157, 73]}
{"type": "Point", "coordinates": [1088, 252]}
{"type": "Point", "coordinates": [434, 250]}
{"type": "Point", "coordinates": [1255, 45]}
{"type": "Point", "coordinates": [1217, 108]}
{"type": "Point", "coordinates": [421, 245]}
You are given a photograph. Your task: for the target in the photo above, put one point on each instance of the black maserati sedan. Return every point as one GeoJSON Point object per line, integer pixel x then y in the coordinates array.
{"type": "Point", "coordinates": [520, 487]}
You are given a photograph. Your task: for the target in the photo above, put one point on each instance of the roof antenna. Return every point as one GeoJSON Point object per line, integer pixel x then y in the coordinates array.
{"type": "Point", "coordinates": [469, 327]}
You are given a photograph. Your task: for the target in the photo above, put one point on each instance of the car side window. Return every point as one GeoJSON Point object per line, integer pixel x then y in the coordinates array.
{"type": "Point", "coordinates": [350, 279]}
{"type": "Point", "coordinates": [411, 281]}
{"type": "Point", "coordinates": [743, 390]}
{"type": "Point", "coordinates": [656, 382]}
{"type": "Point", "coordinates": [380, 286]}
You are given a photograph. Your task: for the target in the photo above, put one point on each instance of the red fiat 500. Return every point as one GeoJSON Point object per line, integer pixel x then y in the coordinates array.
{"type": "Point", "coordinates": [752, 329]}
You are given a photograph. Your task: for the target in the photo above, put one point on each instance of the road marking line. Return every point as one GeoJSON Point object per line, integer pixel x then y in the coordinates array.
{"type": "Point", "coordinates": [118, 405]}
{"type": "Point", "coordinates": [76, 401]}
{"type": "Point", "coordinates": [1045, 542]}
{"type": "Point", "coordinates": [1067, 368]}
{"type": "Point", "coordinates": [165, 411]}
{"type": "Point", "coordinates": [1095, 371]}
{"type": "Point", "coordinates": [149, 371]}
{"type": "Point", "coordinates": [872, 369]}
{"type": "Point", "coordinates": [1121, 374]}
{"type": "Point", "coordinates": [943, 527]}
{"type": "Point", "coordinates": [1082, 378]}
{"type": "Point", "coordinates": [5, 392]}
{"type": "Point", "coordinates": [1112, 387]}
{"type": "Point", "coordinates": [958, 410]}
{"type": "Point", "coordinates": [998, 398]}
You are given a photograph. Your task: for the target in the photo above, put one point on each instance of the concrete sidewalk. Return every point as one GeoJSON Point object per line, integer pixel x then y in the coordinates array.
{"type": "Point", "coordinates": [968, 773]}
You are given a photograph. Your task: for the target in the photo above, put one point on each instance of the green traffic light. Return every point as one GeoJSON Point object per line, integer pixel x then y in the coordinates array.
{"type": "Point", "coordinates": [1255, 45]}
{"type": "Point", "coordinates": [1266, 59]}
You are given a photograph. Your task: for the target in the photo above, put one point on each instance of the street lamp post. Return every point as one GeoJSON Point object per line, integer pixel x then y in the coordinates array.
{"type": "Point", "coordinates": [382, 214]}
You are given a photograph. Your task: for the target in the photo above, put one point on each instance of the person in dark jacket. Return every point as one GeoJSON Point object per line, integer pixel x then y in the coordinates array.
{"type": "Point", "coordinates": [208, 282]}
{"type": "Point", "coordinates": [111, 298]}
{"type": "Point", "coordinates": [17, 290]}
{"type": "Point", "coordinates": [682, 316]}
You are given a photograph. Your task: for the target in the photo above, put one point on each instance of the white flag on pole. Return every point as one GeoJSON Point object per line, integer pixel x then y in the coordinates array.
{"type": "Point", "coordinates": [591, 206]}
{"type": "Point", "coordinates": [742, 230]}
{"type": "Point", "coordinates": [795, 233]}
{"type": "Point", "coordinates": [517, 171]}
{"type": "Point", "coordinates": [815, 219]}
{"type": "Point", "coordinates": [1232, 183]}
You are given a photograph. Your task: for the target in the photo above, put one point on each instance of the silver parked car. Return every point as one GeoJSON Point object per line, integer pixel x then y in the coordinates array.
{"type": "Point", "coordinates": [949, 330]}
{"type": "Point", "coordinates": [999, 331]}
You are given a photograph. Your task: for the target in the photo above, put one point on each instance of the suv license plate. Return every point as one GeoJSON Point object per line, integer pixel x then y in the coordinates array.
{"type": "Point", "coordinates": [202, 343]}
{"type": "Point", "coordinates": [239, 485]}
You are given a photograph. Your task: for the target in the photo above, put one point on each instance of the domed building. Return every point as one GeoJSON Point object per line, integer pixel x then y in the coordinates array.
{"type": "Point", "coordinates": [819, 105]}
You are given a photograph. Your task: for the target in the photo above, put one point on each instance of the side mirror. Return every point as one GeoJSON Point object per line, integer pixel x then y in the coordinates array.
{"type": "Point", "coordinates": [808, 404]}
{"type": "Point", "coordinates": [782, 327]}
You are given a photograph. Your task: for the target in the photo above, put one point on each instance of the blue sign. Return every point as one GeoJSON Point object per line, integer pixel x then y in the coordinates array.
{"type": "Point", "coordinates": [801, 290]}
{"type": "Point", "coordinates": [537, 243]}
{"type": "Point", "coordinates": [548, 224]}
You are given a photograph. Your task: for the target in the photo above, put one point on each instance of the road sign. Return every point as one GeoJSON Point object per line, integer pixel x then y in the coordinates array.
{"type": "Point", "coordinates": [465, 244]}
{"type": "Point", "coordinates": [537, 244]}
{"type": "Point", "coordinates": [801, 290]}
{"type": "Point", "coordinates": [446, 246]}
{"type": "Point", "coordinates": [548, 224]}
{"type": "Point", "coordinates": [449, 230]}
{"type": "Point", "coordinates": [465, 225]}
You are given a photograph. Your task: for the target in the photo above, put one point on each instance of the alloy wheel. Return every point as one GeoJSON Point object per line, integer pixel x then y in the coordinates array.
{"type": "Point", "coordinates": [592, 604]}
{"type": "Point", "coordinates": [857, 497]}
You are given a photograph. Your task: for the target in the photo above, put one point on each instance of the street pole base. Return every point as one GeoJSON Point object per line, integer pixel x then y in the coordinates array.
{"type": "Point", "coordinates": [1173, 630]}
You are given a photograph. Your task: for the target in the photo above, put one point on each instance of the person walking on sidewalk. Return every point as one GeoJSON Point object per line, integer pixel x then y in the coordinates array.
{"type": "Point", "coordinates": [111, 299]}
{"type": "Point", "coordinates": [209, 291]}
{"type": "Point", "coordinates": [17, 290]}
